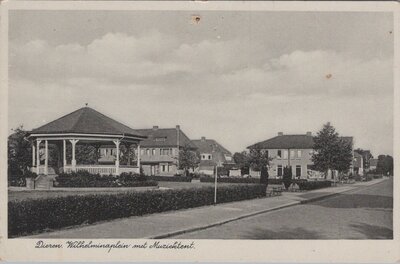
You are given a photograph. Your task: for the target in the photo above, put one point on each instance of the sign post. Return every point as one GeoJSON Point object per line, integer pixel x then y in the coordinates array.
{"type": "Point", "coordinates": [215, 184]}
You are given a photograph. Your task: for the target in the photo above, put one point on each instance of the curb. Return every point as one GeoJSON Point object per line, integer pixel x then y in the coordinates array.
{"type": "Point", "coordinates": [197, 228]}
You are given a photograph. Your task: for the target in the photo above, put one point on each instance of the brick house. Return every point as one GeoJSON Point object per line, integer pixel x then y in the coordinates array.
{"type": "Point", "coordinates": [212, 154]}
{"type": "Point", "coordinates": [291, 150]}
{"type": "Point", "coordinates": [160, 150]}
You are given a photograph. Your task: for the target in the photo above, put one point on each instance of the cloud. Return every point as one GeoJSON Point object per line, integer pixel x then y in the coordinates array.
{"type": "Point", "coordinates": [229, 66]}
{"type": "Point", "coordinates": [238, 90]}
{"type": "Point", "coordinates": [315, 73]}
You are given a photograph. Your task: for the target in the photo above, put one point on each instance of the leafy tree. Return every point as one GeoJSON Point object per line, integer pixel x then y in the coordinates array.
{"type": "Point", "coordinates": [345, 156]}
{"type": "Point", "coordinates": [258, 160]}
{"type": "Point", "coordinates": [84, 153]}
{"type": "Point", "coordinates": [330, 151]}
{"type": "Point", "coordinates": [188, 159]}
{"type": "Point", "coordinates": [241, 159]}
{"type": "Point", "coordinates": [19, 153]}
{"type": "Point", "coordinates": [127, 153]}
{"type": "Point", "coordinates": [287, 176]}
{"type": "Point", "coordinates": [385, 165]}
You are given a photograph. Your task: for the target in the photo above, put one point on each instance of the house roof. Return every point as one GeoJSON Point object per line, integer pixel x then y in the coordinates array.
{"type": "Point", "coordinates": [211, 146]}
{"type": "Point", "coordinates": [87, 121]}
{"type": "Point", "coordinates": [165, 137]}
{"type": "Point", "coordinates": [290, 142]}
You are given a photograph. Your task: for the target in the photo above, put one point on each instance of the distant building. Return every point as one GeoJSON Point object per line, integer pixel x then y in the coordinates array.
{"type": "Point", "coordinates": [160, 150]}
{"type": "Point", "coordinates": [373, 163]}
{"type": "Point", "coordinates": [212, 154]}
{"type": "Point", "coordinates": [358, 164]}
{"type": "Point", "coordinates": [291, 150]}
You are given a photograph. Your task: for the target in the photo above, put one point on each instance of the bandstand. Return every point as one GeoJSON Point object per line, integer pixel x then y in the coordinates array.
{"type": "Point", "coordinates": [87, 126]}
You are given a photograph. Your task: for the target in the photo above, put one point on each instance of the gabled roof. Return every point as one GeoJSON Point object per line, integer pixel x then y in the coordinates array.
{"type": "Point", "coordinates": [165, 137]}
{"type": "Point", "coordinates": [291, 142]}
{"type": "Point", "coordinates": [86, 121]}
{"type": "Point", "coordinates": [209, 146]}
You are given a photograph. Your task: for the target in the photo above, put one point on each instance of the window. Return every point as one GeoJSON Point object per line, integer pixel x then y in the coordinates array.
{"type": "Point", "coordinates": [285, 154]}
{"type": "Point", "coordinates": [299, 153]}
{"type": "Point", "coordinates": [209, 157]}
{"type": "Point", "coordinates": [279, 173]}
{"type": "Point", "coordinates": [167, 151]}
{"type": "Point", "coordinates": [153, 152]}
{"type": "Point", "coordinates": [228, 158]}
{"type": "Point", "coordinates": [292, 154]}
{"type": "Point", "coordinates": [160, 139]}
{"type": "Point", "coordinates": [142, 152]}
{"type": "Point", "coordinates": [203, 157]}
{"type": "Point", "coordinates": [165, 168]}
{"type": "Point", "coordinates": [279, 153]}
{"type": "Point", "coordinates": [148, 152]}
{"type": "Point", "coordinates": [298, 171]}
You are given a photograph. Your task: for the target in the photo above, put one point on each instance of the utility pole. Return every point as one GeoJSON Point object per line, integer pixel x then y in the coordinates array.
{"type": "Point", "coordinates": [215, 184]}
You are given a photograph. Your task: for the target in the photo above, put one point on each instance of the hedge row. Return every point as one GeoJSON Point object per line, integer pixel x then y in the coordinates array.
{"type": "Point", "coordinates": [230, 180]}
{"type": "Point", "coordinates": [239, 180]}
{"type": "Point", "coordinates": [28, 216]}
{"type": "Point", "coordinates": [312, 185]}
{"type": "Point", "coordinates": [86, 179]}
{"type": "Point", "coordinates": [170, 178]}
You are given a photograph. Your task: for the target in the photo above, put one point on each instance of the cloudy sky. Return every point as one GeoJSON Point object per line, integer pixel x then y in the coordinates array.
{"type": "Point", "coordinates": [237, 77]}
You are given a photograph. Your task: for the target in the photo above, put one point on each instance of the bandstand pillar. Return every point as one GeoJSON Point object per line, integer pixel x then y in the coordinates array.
{"type": "Point", "coordinates": [138, 156]}
{"type": "Point", "coordinates": [73, 160]}
{"type": "Point", "coordinates": [46, 157]}
{"type": "Point", "coordinates": [38, 156]}
{"type": "Point", "coordinates": [117, 142]}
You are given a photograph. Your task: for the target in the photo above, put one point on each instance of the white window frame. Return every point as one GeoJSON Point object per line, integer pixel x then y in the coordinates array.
{"type": "Point", "coordinates": [285, 154]}
{"type": "Point", "coordinates": [299, 153]}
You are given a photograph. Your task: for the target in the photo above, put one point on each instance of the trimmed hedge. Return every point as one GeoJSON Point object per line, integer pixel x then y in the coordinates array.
{"type": "Point", "coordinates": [240, 180]}
{"type": "Point", "coordinates": [312, 185]}
{"type": "Point", "coordinates": [28, 216]}
{"type": "Point", "coordinates": [85, 179]}
{"type": "Point", "coordinates": [230, 180]}
{"type": "Point", "coordinates": [170, 178]}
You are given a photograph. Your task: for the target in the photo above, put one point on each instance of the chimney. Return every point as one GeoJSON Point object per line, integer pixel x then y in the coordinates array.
{"type": "Point", "coordinates": [309, 133]}
{"type": "Point", "coordinates": [155, 127]}
{"type": "Point", "coordinates": [203, 138]}
{"type": "Point", "coordinates": [280, 133]}
{"type": "Point", "coordinates": [178, 127]}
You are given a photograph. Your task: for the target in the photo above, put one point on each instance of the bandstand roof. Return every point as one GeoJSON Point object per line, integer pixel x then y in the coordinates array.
{"type": "Point", "coordinates": [86, 121]}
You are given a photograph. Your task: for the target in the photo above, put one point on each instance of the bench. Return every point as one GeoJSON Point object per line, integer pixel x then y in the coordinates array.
{"type": "Point", "coordinates": [277, 190]}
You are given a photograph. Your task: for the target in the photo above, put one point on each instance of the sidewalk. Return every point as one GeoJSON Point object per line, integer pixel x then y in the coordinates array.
{"type": "Point", "coordinates": [166, 224]}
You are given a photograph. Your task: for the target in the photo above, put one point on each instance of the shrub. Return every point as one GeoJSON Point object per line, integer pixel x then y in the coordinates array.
{"type": "Point", "coordinates": [312, 185]}
{"type": "Point", "coordinates": [86, 179]}
{"type": "Point", "coordinates": [28, 216]}
{"type": "Point", "coordinates": [287, 176]}
{"type": "Point", "coordinates": [274, 181]}
{"type": "Point", "coordinates": [171, 178]}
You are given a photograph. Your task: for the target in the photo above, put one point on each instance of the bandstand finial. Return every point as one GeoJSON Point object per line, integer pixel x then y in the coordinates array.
{"type": "Point", "coordinates": [86, 104]}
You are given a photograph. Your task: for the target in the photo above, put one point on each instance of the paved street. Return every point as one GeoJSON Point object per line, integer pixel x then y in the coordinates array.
{"type": "Point", "coordinates": [366, 213]}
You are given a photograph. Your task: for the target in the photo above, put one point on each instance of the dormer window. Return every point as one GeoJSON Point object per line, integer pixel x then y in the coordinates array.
{"type": "Point", "coordinates": [160, 139]}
